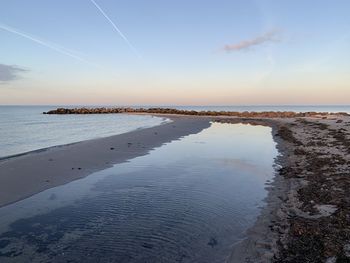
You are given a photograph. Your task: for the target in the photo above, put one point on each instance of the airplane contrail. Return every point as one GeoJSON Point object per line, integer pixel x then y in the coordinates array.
{"type": "Point", "coordinates": [47, 44]}
{"type": "Point", "coordinates": [116, 28]}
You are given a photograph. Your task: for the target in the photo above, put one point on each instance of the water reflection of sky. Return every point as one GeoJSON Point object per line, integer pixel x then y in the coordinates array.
{"type": "Point", "coordinates": [189, 200]}
{"type": "Point", "coordinates": [25, 128]}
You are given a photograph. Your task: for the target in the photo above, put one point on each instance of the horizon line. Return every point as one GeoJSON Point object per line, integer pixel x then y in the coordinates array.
{"type": "Point", "coordinates": [179, 105]}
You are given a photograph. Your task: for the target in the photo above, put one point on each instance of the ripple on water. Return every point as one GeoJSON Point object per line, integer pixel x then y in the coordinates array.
{"type": "Point", "coordinates": [177, 204]}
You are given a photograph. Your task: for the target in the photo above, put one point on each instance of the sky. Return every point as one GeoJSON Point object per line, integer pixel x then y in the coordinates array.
{"type": "Point", "coordinates": [156, 52]}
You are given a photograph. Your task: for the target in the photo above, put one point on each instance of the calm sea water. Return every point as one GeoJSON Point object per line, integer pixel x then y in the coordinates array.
{"type": "Point", "coordinates": [187, 201]}
{"type": "Point", "coordinates": [25, 128]}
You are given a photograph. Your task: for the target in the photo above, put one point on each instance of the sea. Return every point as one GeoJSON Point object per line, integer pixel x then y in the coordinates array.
{"type": "Point", "coordinates": [25, 128]}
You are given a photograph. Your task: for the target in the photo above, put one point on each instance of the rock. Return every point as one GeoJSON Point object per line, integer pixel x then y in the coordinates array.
{"type": "Point", "coordinates": [212, 242]}
{"type": "Point", "coordinates": [331, 260]}
{"type": "Point", "coordinates": [347, 250]}
{"type": "Point", "coordinates": [245, 114]}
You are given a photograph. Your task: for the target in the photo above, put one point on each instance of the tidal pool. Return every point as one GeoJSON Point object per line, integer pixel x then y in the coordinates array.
{"type": "Point", "coordinates": [190, 200]}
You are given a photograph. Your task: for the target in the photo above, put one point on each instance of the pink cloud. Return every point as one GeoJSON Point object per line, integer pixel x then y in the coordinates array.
{"type": "Point", "coordinates": [270, 36]}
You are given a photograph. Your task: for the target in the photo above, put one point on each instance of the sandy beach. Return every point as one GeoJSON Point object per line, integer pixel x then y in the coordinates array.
{"type": "Point", "coordinates": [175, 131]}
{"type": "Point", "coordinates": [305, 217]}
{"type": "Point", "coordinates": [55, 166]}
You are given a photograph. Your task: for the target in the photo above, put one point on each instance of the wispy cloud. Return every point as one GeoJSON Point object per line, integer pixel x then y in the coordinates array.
{"type": "Point", "coordinates": [270, 36]}
{"type": "Point", "coordinates": [116, 28]}
{"type": "Point", "coordinates": [10, 72]}
{"type": "Point", "coordinates": [45, 43]}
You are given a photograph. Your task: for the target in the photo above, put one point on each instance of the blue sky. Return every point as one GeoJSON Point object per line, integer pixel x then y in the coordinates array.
{"type": "Point", "coordinates": [277, 52]}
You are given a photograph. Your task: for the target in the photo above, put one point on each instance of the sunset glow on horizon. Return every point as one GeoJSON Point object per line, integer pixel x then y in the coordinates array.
{"type": "Point", "coordinates": [135, 52]}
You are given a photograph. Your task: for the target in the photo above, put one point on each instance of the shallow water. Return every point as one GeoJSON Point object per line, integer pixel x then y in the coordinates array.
{"type": "Point", "coordinates": [25, 128]}
{"type": "Point", "coordinates": [187, 201]}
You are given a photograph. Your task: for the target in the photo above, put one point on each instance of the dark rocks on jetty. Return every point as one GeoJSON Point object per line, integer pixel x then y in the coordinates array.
{"type": "Point", "coordinates": [245, 114]}
{"type": "Point", "coordinates": [88, 111]}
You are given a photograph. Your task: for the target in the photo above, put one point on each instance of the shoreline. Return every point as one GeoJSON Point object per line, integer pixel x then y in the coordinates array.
{"type": "Point", "coordinates": [289, 206]}
{"type": "Point", "coordinates": [260, 243]}
{"type": "Point", "coordinates": [54, 166]}
{"type": "Point", "coordinates": [305, 218]}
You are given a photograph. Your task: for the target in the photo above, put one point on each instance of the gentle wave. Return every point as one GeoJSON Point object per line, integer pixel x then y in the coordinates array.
{"type": "Point", "coordinates": [25, 129]}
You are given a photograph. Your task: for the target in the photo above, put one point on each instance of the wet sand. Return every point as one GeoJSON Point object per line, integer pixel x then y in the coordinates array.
{"type": "Point", "coordinates": [28, 174]}
{"type": "Point", "coordinates": [306, 214]}
{"type": "Point", "coordinates": [306, 218]}
{"type": "Point", "coordinates": [185, 201]}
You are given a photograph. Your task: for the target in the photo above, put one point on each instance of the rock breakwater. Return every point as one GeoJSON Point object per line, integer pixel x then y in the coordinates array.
{"type": "Point", "coordinates": [245, 114]}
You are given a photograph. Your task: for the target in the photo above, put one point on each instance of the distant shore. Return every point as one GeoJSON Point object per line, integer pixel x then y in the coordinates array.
{"type": "Point", "coordinates": [172, 111]}
{"type": "Point", "coordinates": [304, 219]}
